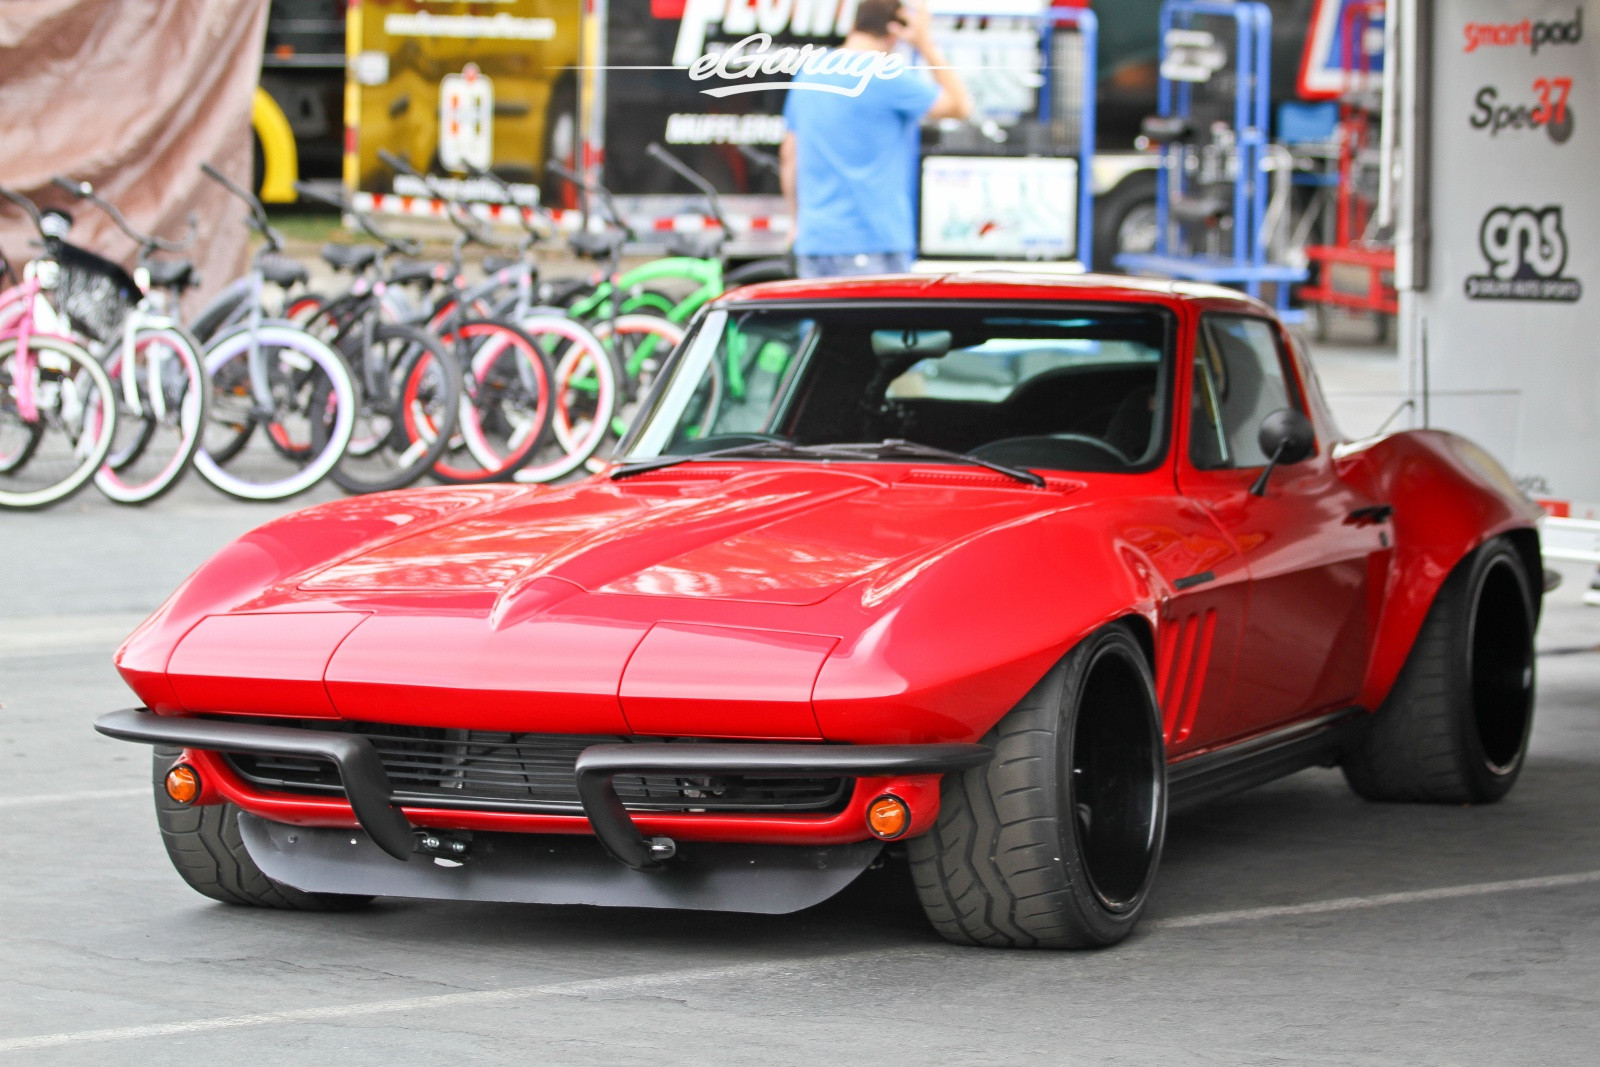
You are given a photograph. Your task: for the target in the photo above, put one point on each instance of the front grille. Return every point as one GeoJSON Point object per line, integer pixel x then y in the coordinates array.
{"type": "Point", "coordinates": [487, 771]}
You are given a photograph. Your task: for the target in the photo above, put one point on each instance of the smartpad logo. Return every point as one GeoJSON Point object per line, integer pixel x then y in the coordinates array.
{"type": "Point", "coordinates": [1528, 33]}
{"type": "Point", "coordinates": [1526, 250]}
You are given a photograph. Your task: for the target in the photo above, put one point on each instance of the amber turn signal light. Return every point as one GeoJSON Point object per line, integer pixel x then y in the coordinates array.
{"type": "Point", "coordinates": [888, 817]}
{"type": "Point", "coordinates": [183, 784]}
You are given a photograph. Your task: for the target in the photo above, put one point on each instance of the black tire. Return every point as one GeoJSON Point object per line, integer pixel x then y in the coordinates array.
{"type": "Point", "coordinates": [204, 845]}
{"type": "Point", "coordinates": [1055, 843]}
{"type": "Point", "coordinates": [1455, 726]}
{"type": "Point", "coordinates": [1132, 200]}
{"type": "Point", "coordinates": [774, 269]}
{"type": "Point", "coordinates": [402, 453]}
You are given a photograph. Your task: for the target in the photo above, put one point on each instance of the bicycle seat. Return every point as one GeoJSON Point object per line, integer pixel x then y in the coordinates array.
{"type": "Point", "coordinates": [596, 245]}
{"type": "Point", "coordinates": [349, 257]}
{"type": "Point", "coordinates": [281, 270]}
{"type": "Point", "coordinates": [704, 245]}
{"type": "Point", "coordinates": [171, 274]}
{"type": "Point", "coordinates": [1167, 129]}
{"type": "Point", "coordinates": [424, 271]}
{"type": "Point", "coordinates": [495, 264]}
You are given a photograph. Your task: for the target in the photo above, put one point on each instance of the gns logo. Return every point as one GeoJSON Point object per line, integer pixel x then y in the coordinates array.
{"type": "Point", "coordinates": [1526, 249]}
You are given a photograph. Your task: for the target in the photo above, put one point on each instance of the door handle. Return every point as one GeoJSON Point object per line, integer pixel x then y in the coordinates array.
{"type": "Point", "coordinates": [1372, 513]}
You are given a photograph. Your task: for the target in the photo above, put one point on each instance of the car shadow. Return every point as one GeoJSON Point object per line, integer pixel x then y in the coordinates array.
{"type": "Point", "coordinates": [1302, 839]}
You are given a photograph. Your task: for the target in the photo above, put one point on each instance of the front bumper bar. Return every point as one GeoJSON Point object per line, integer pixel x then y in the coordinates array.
{"type": "Point", "coordinates": [367, 785]}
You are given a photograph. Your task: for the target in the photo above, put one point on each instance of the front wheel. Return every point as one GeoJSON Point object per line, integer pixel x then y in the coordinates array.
{"type": "Point", "coordinates": [208, 853]}
{"type": "Point", "coordinates": [52, 450]}
{"type": "Point", "coordinates": [410, 393]}
{"type": "Point", "coordinates": [1455, 727]}
{"type": "Point", "coordinates": [1055, 843]}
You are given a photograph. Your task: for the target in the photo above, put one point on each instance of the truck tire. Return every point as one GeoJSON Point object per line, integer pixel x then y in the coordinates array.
{"type": "Point", "coordinates": [204, 845]}
{"type": "Point", "coordinates": [1455, 727]}
{"type": "Point", "coordinates": [1055, 843]}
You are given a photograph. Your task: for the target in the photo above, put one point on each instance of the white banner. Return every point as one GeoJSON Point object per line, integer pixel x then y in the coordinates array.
{"type": "Point", "coordinates": [1504, 345]}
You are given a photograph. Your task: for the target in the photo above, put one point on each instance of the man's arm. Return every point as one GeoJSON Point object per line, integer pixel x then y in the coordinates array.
{"type": "Point", "coordinates": [788, 167]}
{"type": "Point", "coordinates": [954, 101]}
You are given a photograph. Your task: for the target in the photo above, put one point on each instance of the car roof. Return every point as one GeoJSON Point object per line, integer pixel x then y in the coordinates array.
{"type": "Point", "coordinates": [998, 284]}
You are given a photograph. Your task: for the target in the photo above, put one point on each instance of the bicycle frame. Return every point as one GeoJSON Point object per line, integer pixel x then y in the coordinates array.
{"type": "Point", "coordinates": [23, 310]}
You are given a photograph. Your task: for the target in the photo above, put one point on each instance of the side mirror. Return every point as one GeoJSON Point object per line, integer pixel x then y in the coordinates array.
{"type": "Point", "coordinates": [1286, 437]}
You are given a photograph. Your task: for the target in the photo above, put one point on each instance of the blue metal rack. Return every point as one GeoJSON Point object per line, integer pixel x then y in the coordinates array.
{"type": "Point", "coordinates": [1245, 265]}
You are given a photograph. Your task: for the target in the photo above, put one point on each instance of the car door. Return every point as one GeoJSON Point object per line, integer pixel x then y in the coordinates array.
{"type": "Point", "coordinates": [1308, 543]}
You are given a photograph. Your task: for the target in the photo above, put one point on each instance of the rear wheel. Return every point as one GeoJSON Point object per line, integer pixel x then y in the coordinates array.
{"type": "Point", "coordinates": [1054, 843]}
{"type": "Point", "coordinates": [1455, 726]}
{"type": "Point", "coordinates": [160, 385]}
{"type": "Point", "coordinates": [204, 845]}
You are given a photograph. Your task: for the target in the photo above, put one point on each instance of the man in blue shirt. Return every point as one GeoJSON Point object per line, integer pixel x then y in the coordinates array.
{"type": "Point", "coordinates": [850, 156]}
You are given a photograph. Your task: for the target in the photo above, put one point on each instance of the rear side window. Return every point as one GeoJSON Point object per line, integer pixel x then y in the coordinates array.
{"type": "Point", "coordinates": [1239, 379]}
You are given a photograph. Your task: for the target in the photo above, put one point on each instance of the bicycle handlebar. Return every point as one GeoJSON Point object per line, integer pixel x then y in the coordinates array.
{"type": "Point", "coordinates": [28, 207]}
{"type": "Point", "coordinates": [471, 227]}
{"type": "Point", "coordinates": [403, 246]}
{"type": "Point", "coordinates": [688, 174]}
{"type": "Point", "coordinates": [764, 160]}
{"type": "Point", "coordinates": [596, 189]}
{"type": "Point", "coordinates": [511, 198]}
{"type": "Point", "coordinates": [147, 242]}
{"type": "Point", "coordinates": [258, 214]}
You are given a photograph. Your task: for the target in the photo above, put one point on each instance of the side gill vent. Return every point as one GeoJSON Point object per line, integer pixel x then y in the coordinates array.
{"type": "Point", "coordinates": [1184, 655]}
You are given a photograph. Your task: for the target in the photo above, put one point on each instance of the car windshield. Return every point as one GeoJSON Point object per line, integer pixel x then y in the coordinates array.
{"type": "Point", "coordinates": [1061, 387]}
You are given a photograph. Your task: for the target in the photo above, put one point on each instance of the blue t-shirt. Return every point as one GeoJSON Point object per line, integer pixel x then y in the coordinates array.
{"type": "Point", "coordinates": [856, 162]}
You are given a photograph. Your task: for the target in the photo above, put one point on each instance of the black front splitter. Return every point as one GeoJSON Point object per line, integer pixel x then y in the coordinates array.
{"type": "Point", "coordinates": [551, 869]}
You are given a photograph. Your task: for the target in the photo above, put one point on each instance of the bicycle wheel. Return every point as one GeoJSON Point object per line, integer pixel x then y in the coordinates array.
{"type": "Point", "coordinates": [73, 426]}
{"type": "Point", "coordinates": [587, 390]}
{"type": "Point", "coordinates": [163, 398]}
{"type": "Point", "coordinates": [505, 410]}
{"type": "Point", "coordinates": [308, 384]}
{"type": "Point", "coordinates": [640, 344]}
{"type": "Point", "coordinates": [18, 439]}
{"type": "Point", "coordinates": [405, 420]}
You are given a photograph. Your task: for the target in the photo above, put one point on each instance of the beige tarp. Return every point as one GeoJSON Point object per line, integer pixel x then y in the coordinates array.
{"type": "Point", "coordinates": [131, 95]}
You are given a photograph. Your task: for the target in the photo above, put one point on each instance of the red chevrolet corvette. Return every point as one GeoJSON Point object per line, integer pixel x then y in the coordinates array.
{"type": "Point", "coordinates": [992, 570]}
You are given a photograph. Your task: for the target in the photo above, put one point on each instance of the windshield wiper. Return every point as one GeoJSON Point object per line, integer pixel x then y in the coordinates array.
{"type": "Point", "coordinates": [749, 448]}
{"type": "Point", "coordinates": [885, 449]}
{"type": "Point", "coordinates": [895, 446]}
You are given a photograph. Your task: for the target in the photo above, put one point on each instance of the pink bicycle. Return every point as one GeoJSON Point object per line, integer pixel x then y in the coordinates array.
{"type": "Point", "coordinates": [57, 415]}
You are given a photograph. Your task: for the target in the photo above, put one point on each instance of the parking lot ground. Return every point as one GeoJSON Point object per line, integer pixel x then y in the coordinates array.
{"type": "Point", "coordinates": [1295, 923]}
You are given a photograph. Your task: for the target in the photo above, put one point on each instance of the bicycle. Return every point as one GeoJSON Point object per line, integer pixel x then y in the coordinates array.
{"type": "Point", "coordinates": [548, 350]}
{"type": "Point", "coordinates": [409, 385]}
{"type": "Point", "coordinates": [155, 367]}
{"type": "Point", "coordinates": [272, 373]}
{"type": "Point", "coordinates": [57, 415]}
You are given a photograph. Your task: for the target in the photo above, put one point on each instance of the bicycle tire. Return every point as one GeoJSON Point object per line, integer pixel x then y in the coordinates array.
{"type": "Point", "coordinates": [16, 453]}
{"type": "Point", "coordinates": [507, 373]}
{"type": "Point", "coordinates": [339, 404]}
{"type": "Point", "coordinates": [580, 419]}
{"type": "Point", "coordinates": [424, 373]}
{"type": "Point", "coordinates": [78, 382]}
{"type": "Point", "coordinates": [123, 479]}
{"type": "Point", "coordinates": [669, 333]}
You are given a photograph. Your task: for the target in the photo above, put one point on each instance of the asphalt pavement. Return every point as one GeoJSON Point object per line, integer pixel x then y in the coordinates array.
{"type": "Point", "coordinates": [1295, 923]}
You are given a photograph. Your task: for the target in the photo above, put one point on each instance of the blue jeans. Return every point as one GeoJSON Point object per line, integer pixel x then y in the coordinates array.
{"type": "Point", "coordinates": [859, 263]}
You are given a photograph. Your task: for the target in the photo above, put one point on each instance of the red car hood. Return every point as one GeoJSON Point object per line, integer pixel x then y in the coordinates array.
{"type": "Point", "coordinates": [596, 608]}
{"type": "Point", "coordinates": [789, 535]}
